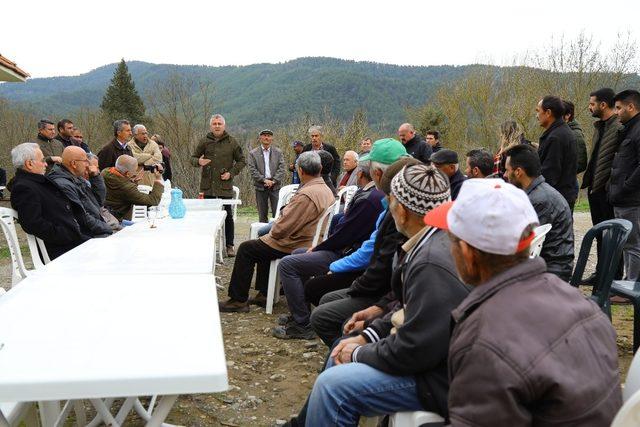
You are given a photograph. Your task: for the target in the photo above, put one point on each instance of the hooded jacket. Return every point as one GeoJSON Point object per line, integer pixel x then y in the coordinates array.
{"type": "Point", "coordinates": [78, 191]}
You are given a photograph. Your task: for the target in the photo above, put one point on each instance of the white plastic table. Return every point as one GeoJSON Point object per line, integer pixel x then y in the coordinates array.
{"type": "Point", "coordinates": [78, 336]}
{"type": "Point", "coordinates": [173, 246]}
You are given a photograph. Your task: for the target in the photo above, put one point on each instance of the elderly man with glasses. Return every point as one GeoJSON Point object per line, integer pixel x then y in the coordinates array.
{"type": "Point", "coordinates": [43, 209]}
{"type": "Point", "coordinates": [89, 192]}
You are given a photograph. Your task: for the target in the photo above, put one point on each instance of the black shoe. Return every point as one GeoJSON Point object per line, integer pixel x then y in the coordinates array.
{"type": "Point", "coordinates": [285, 319]}
{"type": "Point", "coordinates": [233, 306]}
{"type": "Point", "coordinates": [259, 300]}
{"type": "Point", "coordinates": [294, 332]}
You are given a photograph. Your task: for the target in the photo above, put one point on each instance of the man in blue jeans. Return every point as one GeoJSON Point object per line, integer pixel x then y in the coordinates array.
{"type": "Point", "coordinates": [398, 362]}
{"type": "Point", "coordinates": [353, 229]}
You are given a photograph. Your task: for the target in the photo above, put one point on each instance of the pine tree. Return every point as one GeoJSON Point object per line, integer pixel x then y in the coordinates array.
{"type": "Point", "coordinates": [121, 100]}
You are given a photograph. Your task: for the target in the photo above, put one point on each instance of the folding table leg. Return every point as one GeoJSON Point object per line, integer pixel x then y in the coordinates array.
{"type": "Point", "coordinates": [49, 412]}
{"type": "Point", "coordinates": [162, 410]}
{"type": "Point", "coordinates": [104, 412]}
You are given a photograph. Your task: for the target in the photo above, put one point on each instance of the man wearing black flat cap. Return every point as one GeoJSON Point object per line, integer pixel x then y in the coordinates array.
{"type": "Point", "coordinates": [447, 162]}
{"type": "Point", "coordinates": [266, 165]}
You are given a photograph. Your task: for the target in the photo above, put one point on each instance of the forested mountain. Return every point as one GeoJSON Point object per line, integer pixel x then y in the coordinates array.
{"type": "Point", "coordinates": [261, 93]}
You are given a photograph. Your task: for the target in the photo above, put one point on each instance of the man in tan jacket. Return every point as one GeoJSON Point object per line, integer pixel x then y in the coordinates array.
{"type": "Point", "coordinates": [293, 229]}
{"type": "Point", "coordinates": [147, 153]}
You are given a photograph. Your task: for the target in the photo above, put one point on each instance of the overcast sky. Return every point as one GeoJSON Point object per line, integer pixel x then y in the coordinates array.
{"type": "Point", "coordinates": [69, 37]}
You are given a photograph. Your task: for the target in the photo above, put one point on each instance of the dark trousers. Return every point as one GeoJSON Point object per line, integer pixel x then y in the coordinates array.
{"type": "Point", "coordinates": [263, 198]}
{"type": "Point", "coordinates": [599, 207]}
{"type": "Point", "coordinates": [294, 271]}
{"type": "Point", "coordinates": [601, 210]}
{"type": "Point", "coordinates": [316, 288]}
{"type": "Point", "coordinates": [334, 309]}
{"type": "Point", "coordinates": [251, 253]}
{"type": "Point", "coordinates": [229, 225]}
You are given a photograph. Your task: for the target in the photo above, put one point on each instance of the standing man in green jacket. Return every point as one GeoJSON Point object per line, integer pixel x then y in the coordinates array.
{"type": "Point", "coordinates": [220, 158]}
{"type": "Point", "coordinates": [581, 146]}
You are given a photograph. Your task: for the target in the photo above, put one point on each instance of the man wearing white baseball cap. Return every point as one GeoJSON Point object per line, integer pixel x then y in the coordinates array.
{"type": "Point", "coordinates": [526, 348]}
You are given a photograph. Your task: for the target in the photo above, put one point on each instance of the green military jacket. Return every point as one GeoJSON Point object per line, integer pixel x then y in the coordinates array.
{"type": "Point", "coordinates": [122, 194]}
{"type": "Point", "coordinates": [226, 156]}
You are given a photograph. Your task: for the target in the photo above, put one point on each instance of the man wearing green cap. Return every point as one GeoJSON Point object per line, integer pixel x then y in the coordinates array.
{"type": "Point", "coordinates": [371, 287]}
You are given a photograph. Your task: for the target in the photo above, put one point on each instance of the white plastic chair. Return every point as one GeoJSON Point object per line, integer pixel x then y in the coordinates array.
{"type": "Point", "coordinates": [632, 383]}
{"type": "Point", "coordinates": [37, 249]}
{"type": "Point", "coordinates": [234, 208]}
{"type": "Point", "coordinates": [7, 221]}
{"type": "Point", "coordinates": [146, 189]}
{"type": "Point", "coordinates": [345, 194]}
{"type": "Point", "coordinates": [284, 196]}
{"type": "Point", "coordinates": [537, 242]}
{"type": "Point", "coordinates": [629, 414]}
{"type": "Point", "coordinates": [415, 419]}
{"type": "Point", "coordinates": [323, 224]}
{"type": "Point", "coordinates": [138, 213]}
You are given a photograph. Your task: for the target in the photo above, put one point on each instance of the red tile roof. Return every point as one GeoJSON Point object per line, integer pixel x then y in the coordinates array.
{"type": "Point", "coordinates": [4, 62]}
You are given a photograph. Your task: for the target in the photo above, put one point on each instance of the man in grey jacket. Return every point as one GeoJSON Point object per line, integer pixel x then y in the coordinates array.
{"type": "Point", "coordinates": [69, 177]}
{"type": "Point", "coordinates": [403, 355]}
{"type": "Point", "coordinates": [266, 165]}
{"type": "Point", "coordinates": [523, 171]}
{"type": "Point", "coordinates": [526, 348]}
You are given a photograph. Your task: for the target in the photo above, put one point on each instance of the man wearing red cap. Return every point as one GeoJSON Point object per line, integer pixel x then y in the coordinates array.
{"type": "Point", "coordinates": [526, 348]}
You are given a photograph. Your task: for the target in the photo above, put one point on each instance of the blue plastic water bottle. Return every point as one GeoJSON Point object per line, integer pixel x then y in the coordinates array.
{"type": "Point", "coordinates": [177, 209]}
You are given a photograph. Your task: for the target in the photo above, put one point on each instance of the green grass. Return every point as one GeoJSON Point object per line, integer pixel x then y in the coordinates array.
{"type": "Point", "coordinates": [4, 252]}
{"type": "Point", "coordinates": [247, 210]}
{"type": "Point", "coordinates": [582, 205]}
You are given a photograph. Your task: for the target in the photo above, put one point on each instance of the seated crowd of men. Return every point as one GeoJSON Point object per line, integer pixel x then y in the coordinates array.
{"type": "Point", "coordinates": [424, 291]}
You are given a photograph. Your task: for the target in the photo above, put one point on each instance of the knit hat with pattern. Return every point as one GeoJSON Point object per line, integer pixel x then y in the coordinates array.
{"type": "Point", "coordinates": [420, 188]}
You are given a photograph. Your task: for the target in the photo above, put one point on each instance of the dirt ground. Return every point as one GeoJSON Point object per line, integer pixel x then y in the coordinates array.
{"type": "Point", "coordinates": [269, 379]}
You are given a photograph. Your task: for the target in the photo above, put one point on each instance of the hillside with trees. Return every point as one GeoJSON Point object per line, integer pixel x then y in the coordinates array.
{"type": "Point", "coordinates": [261, 94]}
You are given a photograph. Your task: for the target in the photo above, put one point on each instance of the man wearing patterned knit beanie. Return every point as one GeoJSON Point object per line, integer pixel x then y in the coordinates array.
{"type": "Point", "coordinates": [403, 355]}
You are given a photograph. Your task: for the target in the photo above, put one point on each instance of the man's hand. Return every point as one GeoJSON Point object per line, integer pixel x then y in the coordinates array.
{"type": "Point", "coordinates": [157, 173]}
{"type": "Point", "coordinates": [225, 176]}
{"type": "Point", "coordinates": [94, 169]}
{"type": "Point", "coordinates": [203, 162]}
{"type": "Point", "coordinates": [56, 159]}
{"type": "Point", "coordinates": [138, 176]}
{"type": "Point", "coordinates": [268, 183]}
{"type": "Point", "coordinates": [359, 317]}
{"type": "Point", "coordinates": [159, 167]}
{"type": "Point", "coordinates": [342, 352]}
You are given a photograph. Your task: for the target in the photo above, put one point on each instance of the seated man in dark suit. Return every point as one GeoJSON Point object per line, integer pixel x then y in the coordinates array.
{"type": "Point", "coordinates": [43, 210]}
